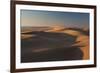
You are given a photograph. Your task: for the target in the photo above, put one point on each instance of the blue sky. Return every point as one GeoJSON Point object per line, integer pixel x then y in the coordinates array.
{"type": "Point", "coordinates": [35, 18]}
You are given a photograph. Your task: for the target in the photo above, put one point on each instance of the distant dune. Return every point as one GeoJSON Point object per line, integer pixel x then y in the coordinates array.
{"type": "Point", "coordinates": [55, 29]}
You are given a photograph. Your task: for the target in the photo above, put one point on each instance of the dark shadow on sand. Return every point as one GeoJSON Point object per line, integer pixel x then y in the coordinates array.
{"type": "Point", "coordinates": [56, 47]}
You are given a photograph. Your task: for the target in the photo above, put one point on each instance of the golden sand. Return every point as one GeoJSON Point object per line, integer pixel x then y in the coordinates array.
{"type": "Point", "coordinates": [25, 36]}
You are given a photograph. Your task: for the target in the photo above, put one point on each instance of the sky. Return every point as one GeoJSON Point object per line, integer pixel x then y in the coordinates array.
{"type": "Point", "coordinates": [37, 18]}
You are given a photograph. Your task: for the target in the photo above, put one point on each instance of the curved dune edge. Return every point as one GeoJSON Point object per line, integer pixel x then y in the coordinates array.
{"type": "Point", "coordinates": [83, 40]}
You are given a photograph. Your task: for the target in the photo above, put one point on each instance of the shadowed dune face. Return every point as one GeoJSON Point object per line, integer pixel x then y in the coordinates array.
{"type": "Point", "coordinates": [53, 44]}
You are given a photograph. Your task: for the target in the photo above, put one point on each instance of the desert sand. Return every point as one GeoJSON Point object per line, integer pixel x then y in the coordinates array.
{"type": "Point", "coordinates": [82, 39]}
{"type": "Point", "coordinates": [64, 43]}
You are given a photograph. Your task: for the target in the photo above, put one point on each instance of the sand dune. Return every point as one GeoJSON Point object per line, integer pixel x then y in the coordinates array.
{"type": "Point", "coordinates": [53, 35]}
{"type": "Point", "coordinates": [55, 29]}
{"type": "Point", "coordinates": [26, 36]}
{"type": "Point", "coordinates": [82, 39]}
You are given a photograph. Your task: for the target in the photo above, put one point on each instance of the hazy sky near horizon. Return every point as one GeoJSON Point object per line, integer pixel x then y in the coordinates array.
{"type": "Point", "coordinates": [35, 18]}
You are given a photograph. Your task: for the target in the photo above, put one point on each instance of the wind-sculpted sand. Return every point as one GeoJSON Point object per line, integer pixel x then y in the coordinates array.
{"type": "Point", "coordinates": [82, 39]}
{"type": "Point", "coordinates": [54, 44]}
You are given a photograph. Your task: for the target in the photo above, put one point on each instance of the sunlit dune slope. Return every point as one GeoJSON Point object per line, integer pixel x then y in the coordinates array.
{"type": "Point", "coordinates": [84, 40]}
{"type": "Point", "coordinates": [23, 36]}
{"type": "Point", "coordinates": [55, 29]}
